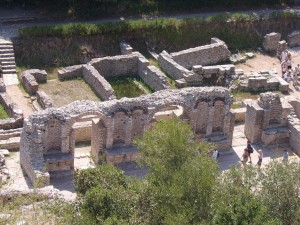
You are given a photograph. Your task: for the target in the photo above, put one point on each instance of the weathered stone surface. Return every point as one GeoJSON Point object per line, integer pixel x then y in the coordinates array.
{"type": "Point", "coordinates": [237, 58]}
{"type": "Point", "coordinates": [48, 137]}
{"type": "Point", "coordinates": [240, 114]}
{"type": "Point", "coordinates": [203, 55]}
{"type": "Point", "coordinates": [29, 83]}
{"type": "Point", "coordinates": [70, 72]}
{"type": "Point", "coordinates": [266, 120]}
{"type": "Point", "coordinates": [112, 66]}
{"type": "Point", "coordinates": [172, 68]}
{"type": "Point", "coordinates": [39, 75]}
{"type": "Point", "coordinates": [294, 38]}
{"type": "Point", "coordinates": [155, 79]}
{"type": "Point", "coordinates": [125, 48]}
{"type": "Point", "coordinates": [13, 111]}
{"type": "Point", "coordinates": [100, 86]}
{"type": "Point", "coordinates": [44, 100]}
{"type": "Point", "coordinates": [271, 41]}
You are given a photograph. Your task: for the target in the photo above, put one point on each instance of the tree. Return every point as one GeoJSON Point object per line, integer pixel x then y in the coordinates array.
{"type": "Point", "coordinates": [181, 174]}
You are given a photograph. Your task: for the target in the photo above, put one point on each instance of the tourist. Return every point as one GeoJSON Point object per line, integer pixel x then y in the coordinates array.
{"type": "Point", "coordinates": [250, 150]}
{"type": "Point", "coordinates": [285, 157]}
{"type": "Point", "coordinates": [260, 156]}
{"type": "Point", "coordinates": [288, 76]}
{"type": "Point", "coordinates": [284, 68]}
{"type": "Point", "coordinates": [245, 157]}
{"type": "Point", "coordinates": [297, 70]}
{"type": "Point", "coordinates": [215, 155]}
{"type": "Point", "coordinates": [284, 55]}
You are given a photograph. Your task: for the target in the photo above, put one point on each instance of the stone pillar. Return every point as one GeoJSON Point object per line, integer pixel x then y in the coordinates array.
{"type": "Point", "coordinates": [98, 141]}
{"type": "Point", "coordinates": [210, 122]}
{"type": "Point", "coordinates": [128, 135]}
{"type": "Point", "coordinates": [109, 134]}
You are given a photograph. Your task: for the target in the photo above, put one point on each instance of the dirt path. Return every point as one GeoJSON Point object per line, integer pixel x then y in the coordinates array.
{"type": "Point", "coordinates": [20, 98]}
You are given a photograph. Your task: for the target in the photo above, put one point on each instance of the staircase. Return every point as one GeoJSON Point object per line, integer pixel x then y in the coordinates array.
{"type": "Point", "coordinates": [7, 60]}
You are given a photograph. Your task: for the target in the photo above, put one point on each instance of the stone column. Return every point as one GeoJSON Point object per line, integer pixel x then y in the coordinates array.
{"type": "Point", "coordinates": [210, 122]}
{"type": "Point", "coordinates": [128, 135]}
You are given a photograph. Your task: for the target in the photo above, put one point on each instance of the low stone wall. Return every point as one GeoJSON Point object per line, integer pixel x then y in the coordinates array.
{"type": "Point", "coordinates": [294, 38]}
{"type": "Point", "coordinates": [29, 83]}
{"type": "Point", "coordinates": [240, 114]}
{"type": "Point", "coordinates": [271, 41]}
{"type": "Point", "coordinates": [70, 72]}
{"type": "Point", "coordinates": [154, 78]}
{"type": "Point", "coordinates": [203, 55]}
{"type": "Point", "coordinates": [120, 65]}
{"type": "Point", "coordinates": [100, 86]}
{"type": "Point", "coordinates": [39, 75]}
{"type": "Point", "coordinates": [172, 68]}
{"type": "Point", "coordinates": [44, 100]}
{"type": "Point", "coordinates": [13, 111]}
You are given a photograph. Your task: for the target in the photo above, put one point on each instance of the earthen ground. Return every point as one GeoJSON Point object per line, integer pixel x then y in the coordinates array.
{"type": "Point", "coordinates": [65, 92]}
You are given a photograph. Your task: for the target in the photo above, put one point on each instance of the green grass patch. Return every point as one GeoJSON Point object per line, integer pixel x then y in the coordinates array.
{"type": "Point", "coordinates": [3, 113]}
{"type": "Point", "coordinates": [236, 105]}
{"type": "Point", "coordinates": [238, 96]}
{"type": "Point", "coordinates": [127, 87]}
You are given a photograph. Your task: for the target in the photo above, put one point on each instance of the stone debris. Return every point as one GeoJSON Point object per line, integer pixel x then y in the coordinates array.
{"type": "Point", "coordinates": [249, 55]}
{"type": "Point", "coordinates": [237, 58]}
{"type": "Point", "coordinates": [294, 38]}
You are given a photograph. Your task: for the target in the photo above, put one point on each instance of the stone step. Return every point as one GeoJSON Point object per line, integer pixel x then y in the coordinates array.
{"type": "Point", "coordinates": [7, 58]}
{"type": "Point", "coordinates": [4, 63]}
{"type": "Point", "coordinates": [9, 71]}
{"type": "Point", "coordinates": [7, 55]}
{"type": "Point", "coordinates": [12, 143]}
{"type": "Point", "coordinates": [6, 134]}
{"type": "Point", "coordinates": [10, 50]}
{"type": "Point", "coordinates": [6, 46]}
{"type": "Point", "coordinates": [8, 66]}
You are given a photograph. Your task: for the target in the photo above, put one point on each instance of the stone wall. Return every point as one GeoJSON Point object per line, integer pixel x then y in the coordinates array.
{"type": "Point", "coordinates": [172, 68]}
{"type": "Point", "coordinates": [29, 83]}
{"type": "Point", "coordinates": [120, 65]}
{"type": "Point", "coordinates": [100, 86]}
{"type": "Point", "coordinates": [294, 38]}
{"type": "Point", "coordinates": [51, 133]}
{"type": "Point", "coordinates": [83, 131]}
{"type": "Point", "coordinates": [203, 55]}
{"type": "Point", "coordinates": [39, 75]}
{"type": "Point", "coordinates": [70, 72]}
{"type": "Point", "coordinates": [2, 86]}
{"type": "Point", "coordinates": [271, 41]}
{"type": "Point", "coordinates": [15, 113]}
{"type": "Point", "coordinates": [44, 100]}
{"type": "Point", "coordinates": [154, 78]}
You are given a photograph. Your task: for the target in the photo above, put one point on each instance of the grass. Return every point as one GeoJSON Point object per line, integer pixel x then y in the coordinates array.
{"type": "Point", "coordinates": [126, 87]}
{"type": "Point", "coordinates": [65, 92]}
{"type": "Point", "coordinates": [236, 105]}
{"type": "Point", "coordinates": [3, 113]}
{"type": "Point", "coordinates": [238, 96]}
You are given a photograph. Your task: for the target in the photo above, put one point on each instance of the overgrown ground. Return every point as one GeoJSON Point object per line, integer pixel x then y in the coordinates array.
{"type": "Point", "coordinates": [129, 86]}
{"type": "Point", "coordinates": [3, 113]}
{"type": "Point", "coordinates": [65, 92]}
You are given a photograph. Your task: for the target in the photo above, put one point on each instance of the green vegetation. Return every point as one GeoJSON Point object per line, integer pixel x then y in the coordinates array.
{"type": "Point", "coordinates": [128, 86]}
{"type": "Point", "coordinates": [3, 113]}
{"type": "Point", "coordinates": [236, 105]}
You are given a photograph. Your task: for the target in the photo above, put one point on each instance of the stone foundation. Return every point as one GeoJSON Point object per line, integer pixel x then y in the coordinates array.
{"type": "Point", "coordinates": [44, 100]}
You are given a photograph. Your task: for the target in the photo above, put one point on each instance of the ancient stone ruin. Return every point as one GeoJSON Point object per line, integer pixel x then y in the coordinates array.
{"type": "Point", "coordinates": [48, 137]}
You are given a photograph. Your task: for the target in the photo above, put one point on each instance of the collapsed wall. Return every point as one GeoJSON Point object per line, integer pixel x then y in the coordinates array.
{"type": "Point", "coordinates": [48, 137]}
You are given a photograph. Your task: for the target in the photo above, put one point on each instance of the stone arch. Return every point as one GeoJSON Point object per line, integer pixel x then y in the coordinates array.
{"type": "Point", "coordinates": [138, 117]}
{"type": "Point", "coordinates": [68, 139]}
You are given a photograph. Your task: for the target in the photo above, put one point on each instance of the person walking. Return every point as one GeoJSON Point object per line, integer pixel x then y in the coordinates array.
{"type": "Point", "coordinates": [285, 157]}
{"type": "Point", "coordinates": [215, 155]}
{"type": "Point", "coordinates": [245, 157]}
{"type": "Point", "coordinates": [260, 157]}
{"type": "Point", "coordinates": [250, 150]}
